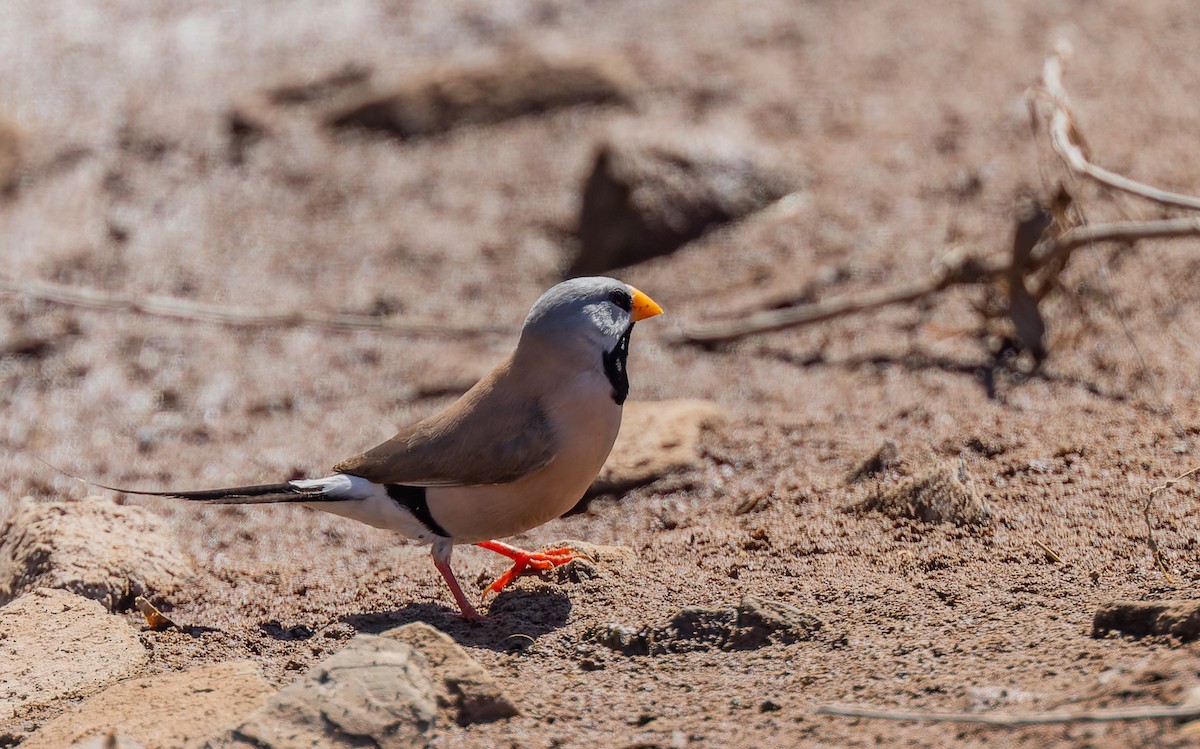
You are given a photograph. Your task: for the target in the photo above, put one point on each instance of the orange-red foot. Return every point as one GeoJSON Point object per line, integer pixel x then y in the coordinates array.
{"type": "Point", "coordinates": [522, 559]}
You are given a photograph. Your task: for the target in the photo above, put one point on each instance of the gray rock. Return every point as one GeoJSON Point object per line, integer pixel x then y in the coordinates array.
{"type": "Point", "coordinates": [753, 624]}
{"type": "Point", "coordinates": [164, 710]}
{"type": "Point", "coordinates": [55, 644]}
{"type": "Point", "coordinates": [467, 690]}
{"type": "Point", "coordinates": [376, 692]}
{"type": "Point", "coordinates": [103, 551]}
{"type": "Point", "coordinates": [1180, 619]}
{"type": "Point", "coordinates": [385, 691]}
{"type": "Point", "coordinates": [654, 188]}
{"type": "Point", "coordinates": [522, 82]}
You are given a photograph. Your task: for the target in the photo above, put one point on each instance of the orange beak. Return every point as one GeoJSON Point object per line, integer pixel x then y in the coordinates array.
{"type": "Point", "coordinates": [643, 306]}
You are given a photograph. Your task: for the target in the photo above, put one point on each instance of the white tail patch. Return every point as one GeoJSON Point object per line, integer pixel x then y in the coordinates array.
{"type": "Point", "coordinates": [365, 501]}
{"type": "Point", "coordinates": [342, 486]}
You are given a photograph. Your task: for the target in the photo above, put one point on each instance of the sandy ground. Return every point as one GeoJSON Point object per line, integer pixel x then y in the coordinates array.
{"type": "Point", "coordinates": [908, 126]}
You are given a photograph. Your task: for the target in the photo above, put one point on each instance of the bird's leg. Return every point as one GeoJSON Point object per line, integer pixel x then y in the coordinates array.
{"type": "Point", "coordinates": [538, 560]}
{"type": "Point", "coordinates": [441, 560]}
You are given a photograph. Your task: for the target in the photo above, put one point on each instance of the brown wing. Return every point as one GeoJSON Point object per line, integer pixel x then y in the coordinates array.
{"type": "Point", "coordinates": [492, 435]}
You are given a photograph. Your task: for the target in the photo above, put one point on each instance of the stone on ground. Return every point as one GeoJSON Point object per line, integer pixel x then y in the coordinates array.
{"type": "Point", "coordinates": [754, 623]}
{"type": "Point", "coordinates": [56, 644]}
{"type": "Point", "coordinates": [100, 550]}
{"type": "Point", "coordinates": [166, 711]}
{"type": "Point", "coordinates": [523, 82]}
{"type": "Point", "coordinates": [467, 690]}
{"type": "Point", "coordinates": [654, 187]}
{"type": "Point", "coordinates": [388, 692]}
{"type": "Point", "coordinates": [1179, 619]}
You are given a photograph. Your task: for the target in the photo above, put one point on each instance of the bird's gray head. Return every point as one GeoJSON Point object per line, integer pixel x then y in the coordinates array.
{"type": "Point", "coordinates": [595, 308]}
{"type": "Point", "coordinates": [591, 318]}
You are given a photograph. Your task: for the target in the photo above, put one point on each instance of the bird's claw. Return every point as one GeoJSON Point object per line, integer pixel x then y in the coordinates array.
{"type": "Point", "coordinates": [537, 560]}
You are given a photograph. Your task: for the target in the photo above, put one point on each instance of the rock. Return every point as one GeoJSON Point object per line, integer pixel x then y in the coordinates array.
{"type": "Point", "coordinates": [1180, 619]}
{"type": "Point", "coordinates": [375, 692]}
{"type": "Point", "coordinates": [519, 83]}
{"type": "Point", "coordinates": [302, 90]}
{"type": "Point", "coordinates": [753, 624]}
{"type": "Point", "coordinates": [657, 438]}
{"type": "Point", "coordinates": [257, 114]}
{"type": "Point", "coordinates": [389, 690]}
{"type": "Point", "coordinates": [468, 691]}
{"type": "Point", "coordinates": [942, 494]}
{"type": "Point", "coordinates": [10, 154]}
{"type": "Point", "coordinates": [165, 710]}
{"type": "Point", "coordinates": [55, 644]}
{"type": "Point", "coordinates": [654, 189]}
{"type": "Point", "coordinates": [103, 551]}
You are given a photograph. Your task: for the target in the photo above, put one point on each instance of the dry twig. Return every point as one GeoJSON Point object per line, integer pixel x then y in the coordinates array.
{"type": "Point", "coordinates": [1128, 232]}
{"type": "Point", "coordinates": [154, 618]}
{"type": "Point", "coordinates": [954, 270]}
{"type": "Point", "coordinates": [1051, 253]}
{"type": "Point", "coordinates": [764, 322]}
{"type": "Point", "coordinates": [1144, 712]}
{"type": "Point", "coordinates": [1065, 138]}
{"type": "Point", "coordinates": [182, 309]}
{"type": "Point", "coordinates": [1050, 553]}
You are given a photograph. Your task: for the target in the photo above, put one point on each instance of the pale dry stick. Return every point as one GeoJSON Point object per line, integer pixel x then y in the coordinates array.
{"type": "Point", "coordinates": [1053, 250]}
{"type": "Point", "coordinates": [1050, 553]}
{"type": "Point", "coordinates": [954, 270]}
{"type": "Point", "coordinates": [951, 272]}
{"type": "Point", "coordinates": [1147, 712]}
{"type": "Point", "coordinates": [182, 309]}
{"type": "Point", "coordinates": [1062, 137]}
{"type": "Point", "coordinates": [1065, 139]}
{"type": "Point", "coordinates": [1150, 528]}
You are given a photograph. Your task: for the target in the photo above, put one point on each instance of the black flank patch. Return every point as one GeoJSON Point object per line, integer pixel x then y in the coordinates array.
{"type": "Point", "coordinates": [412, 498]}
{"type": "Point", "coordinates": [615, 367]}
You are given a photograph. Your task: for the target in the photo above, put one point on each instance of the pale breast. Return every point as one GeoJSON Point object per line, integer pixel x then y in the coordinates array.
{"type": "Point", "coordinates": [586, 421]}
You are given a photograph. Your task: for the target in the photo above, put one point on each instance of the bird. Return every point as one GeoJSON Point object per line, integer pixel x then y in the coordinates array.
{"type": "Point", "coordinates": [517, 450]}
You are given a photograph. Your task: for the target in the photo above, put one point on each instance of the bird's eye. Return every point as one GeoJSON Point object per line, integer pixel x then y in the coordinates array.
{"type": "Point", "coordinates": [622, 299]}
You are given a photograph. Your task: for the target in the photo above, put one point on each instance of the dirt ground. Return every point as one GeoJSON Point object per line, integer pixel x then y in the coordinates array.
{"type": "Point", "coordinates": [906, 124]}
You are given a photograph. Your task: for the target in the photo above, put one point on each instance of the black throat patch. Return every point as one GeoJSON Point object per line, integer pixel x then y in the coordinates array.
{"type": "Point", "coordinates": [616, 367]}
{"type": "Point", "coordinates": [412, 498]}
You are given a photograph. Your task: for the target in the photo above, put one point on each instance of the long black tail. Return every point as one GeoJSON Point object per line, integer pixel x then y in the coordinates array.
{"type": "Point", "coordinates": [234, 495]}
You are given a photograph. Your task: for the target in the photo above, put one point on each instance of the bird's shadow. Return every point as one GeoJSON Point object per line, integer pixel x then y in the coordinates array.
{"type": "Point", "coordinates": [514, 619]}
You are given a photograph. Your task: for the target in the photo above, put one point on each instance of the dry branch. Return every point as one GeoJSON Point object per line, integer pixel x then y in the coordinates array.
{"type": "Point", "coordinates": [765, 322]}
{"type": "Point", "coordinates": [182, 309]}
{"type": "Point", "coordinates": [1060, 248]}
{"type": "Point", "coordinates": [1064, 136]}
{"type": "Point", "coordinates": [954, 270]}
{"type": "Point", "coordinates": [1147, 712]}
{"type": "Point", "coordinates": [1067, 142]}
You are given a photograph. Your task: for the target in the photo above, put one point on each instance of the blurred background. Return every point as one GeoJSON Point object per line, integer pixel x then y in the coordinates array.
{"type": "Point", "coordinates": [442, 163]}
